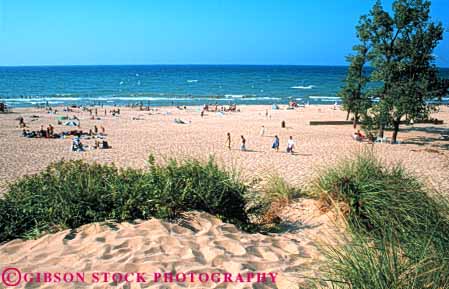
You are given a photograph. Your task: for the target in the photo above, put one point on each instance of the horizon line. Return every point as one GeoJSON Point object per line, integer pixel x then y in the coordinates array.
{"type": "Point", "coordinates": [182, 64]}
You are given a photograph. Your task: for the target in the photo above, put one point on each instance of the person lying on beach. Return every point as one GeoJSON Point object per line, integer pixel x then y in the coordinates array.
{"type": "Point", "coordinates": [358, 136]}
{"type": "Point", "coordinates": [29, 134]}
{"type": "Point", "coordinates": [290, 145]}
{"type": "Point", "coordinates": [180, 121]}
{"type": "Point", "coordinates": [275, 144]}
{"type": "Point", "coordinates": [243, 143]}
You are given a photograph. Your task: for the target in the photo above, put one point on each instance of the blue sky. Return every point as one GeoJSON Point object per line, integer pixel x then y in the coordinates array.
{"type": "Point", "coordinates": [61, 32]}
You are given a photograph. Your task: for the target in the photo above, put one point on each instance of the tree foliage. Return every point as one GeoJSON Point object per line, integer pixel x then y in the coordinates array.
{"type": "Point", "coordinates": [399, 47]}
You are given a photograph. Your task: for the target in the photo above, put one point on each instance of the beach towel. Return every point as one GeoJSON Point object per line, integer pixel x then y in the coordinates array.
{"type": "Point", "coordinates": [179, 121]}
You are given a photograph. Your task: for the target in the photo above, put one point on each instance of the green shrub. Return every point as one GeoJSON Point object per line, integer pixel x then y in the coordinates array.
{"type": "Point", "coordinates": [68, 194]}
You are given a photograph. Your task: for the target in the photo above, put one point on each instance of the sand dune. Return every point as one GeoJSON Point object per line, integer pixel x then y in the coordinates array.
{"type": "Point", "coordinates": [200, 243]}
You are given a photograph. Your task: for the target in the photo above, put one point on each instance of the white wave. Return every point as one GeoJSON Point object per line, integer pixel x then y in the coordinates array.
{"type": "Point", "coordinates": [303, 87]}
{"type": "Point", "coordinates": [42, 99]}
{"type": "Point", "coordinates": [44, 102]}
{"type": "Point", "coordinates": [235, 95]}
{"type": "Point", "coordinates": [112, 99]}
{"type": "Point", "coordinates": [64, 94]}
{"type": "Point", "coordinates": [192, 80]}
{"type": "Point", "coordinates": [325, 98]}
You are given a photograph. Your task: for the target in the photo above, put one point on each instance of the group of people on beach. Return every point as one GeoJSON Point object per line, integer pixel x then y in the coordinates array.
{"type": "Point", "coordinates": [290, 144]}
{"type": "Point", "coordinates": [42, 133]}
{"type": "Point", "coordinates": [215, 108]}
{"type": "Point", "coordinates": [77, 145]}
{"type": "Point", "coordinates": [275, 145]}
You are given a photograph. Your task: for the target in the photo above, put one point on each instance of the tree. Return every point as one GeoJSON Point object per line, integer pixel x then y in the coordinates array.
{"type": "Point", "coordinates": [354, 97]}
{"type": "Point", "coordinates": [401, 54]}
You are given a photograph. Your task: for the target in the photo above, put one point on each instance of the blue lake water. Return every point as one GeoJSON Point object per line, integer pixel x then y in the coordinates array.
{"type": "Point", "coordinates": [160, 85]}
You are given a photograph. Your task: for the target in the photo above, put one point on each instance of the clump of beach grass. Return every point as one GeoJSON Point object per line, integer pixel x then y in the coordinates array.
{"type": "Point", "coordinates": [398, 229]}
{"type": "Point", "coordinates": [266, 203]}
{"type": "Point", "coordinates": [68, 194]}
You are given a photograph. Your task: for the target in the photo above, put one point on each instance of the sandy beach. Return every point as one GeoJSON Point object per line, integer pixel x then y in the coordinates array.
{"type": "Point", "coordinates": [203, 243]}
{"type": "Point", "coordinates": [135, 134]}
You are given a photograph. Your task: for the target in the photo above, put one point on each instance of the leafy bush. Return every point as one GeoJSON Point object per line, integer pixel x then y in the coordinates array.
{"type": "Point", "coordinates": [68, 194]}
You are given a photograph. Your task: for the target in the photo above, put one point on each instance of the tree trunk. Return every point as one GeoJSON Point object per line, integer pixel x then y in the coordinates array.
{"type": "Point", "coordinates": [356, 120]}
{"type": "Point", "coordinates": [347, 115]}
{"type": "Point", "coordinates": [395, 130]}
{"type": "Point", "coordinates": [381, 129]}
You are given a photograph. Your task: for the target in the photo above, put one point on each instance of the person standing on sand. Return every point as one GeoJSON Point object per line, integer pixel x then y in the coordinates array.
{"type": "Point", "coordinates": [262, 131]}
{"type": "Point", "coordinates": [243, 143]}
{"type": "Point", "coordinates": [228, 140]}
{"type": "Point", "coordinates": [275, 145]}
{"type": "Point", "coordinates": [290, 145]}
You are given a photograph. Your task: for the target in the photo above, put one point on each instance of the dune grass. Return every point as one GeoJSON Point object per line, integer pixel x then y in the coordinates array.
{"type": "Point", "coordinates": [68, 194]}
{"type": "Point", "coordinates": [398, 229]}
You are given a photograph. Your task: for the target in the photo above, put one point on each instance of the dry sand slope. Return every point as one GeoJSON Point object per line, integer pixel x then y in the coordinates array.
{"type": "Point", "coordinates": [200, 243]}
